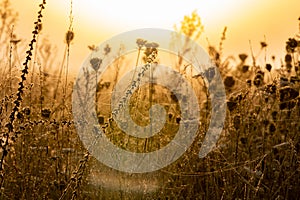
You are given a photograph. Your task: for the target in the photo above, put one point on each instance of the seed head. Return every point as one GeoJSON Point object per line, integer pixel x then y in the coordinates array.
{"type": "Point", "coordinates": [69, 37]}
{"type": "Point", "coordinates": [229, 81]}
{"type": "Point", "coordinates": [96, 63]}
{"type": "Point", "coordinates": [107, 49]}
{"type": "Point", "coordinates": [268, 67]}
{"type": "Point", "coordinates": [243, 57]}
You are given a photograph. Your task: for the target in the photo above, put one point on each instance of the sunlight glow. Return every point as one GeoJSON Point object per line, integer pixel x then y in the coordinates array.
{"type": "Point", "coordinates": [155, 13]}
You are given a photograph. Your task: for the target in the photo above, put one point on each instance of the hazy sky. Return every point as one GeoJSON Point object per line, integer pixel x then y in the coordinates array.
{"type": "Point", "coordinates": [98, 20]}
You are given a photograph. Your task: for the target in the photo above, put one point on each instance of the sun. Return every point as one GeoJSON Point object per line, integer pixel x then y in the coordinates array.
{"type": "Point", "coordinates": [155, 13]}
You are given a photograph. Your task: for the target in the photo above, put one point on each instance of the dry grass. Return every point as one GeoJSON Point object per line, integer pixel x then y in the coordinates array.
{"type": "Point", "coordinates": [257, 156]}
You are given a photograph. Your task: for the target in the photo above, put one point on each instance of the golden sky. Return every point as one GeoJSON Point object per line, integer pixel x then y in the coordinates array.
{"type": "Point", "coordinates": [97, 20]}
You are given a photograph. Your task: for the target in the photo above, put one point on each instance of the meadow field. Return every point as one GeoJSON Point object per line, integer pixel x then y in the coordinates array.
{"type": "Point", "coordinates": [43, 157]}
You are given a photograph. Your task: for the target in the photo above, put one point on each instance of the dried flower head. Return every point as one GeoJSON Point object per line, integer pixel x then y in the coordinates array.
{"type": "Point", "coordinates": [107, 49]}
{"type": "Point", "coordinates": [291, 45]}
{"type": "Point", "coordinates": [288, 58]}
{"type": "Point", "coordinates": [268, 67]}
{"type": "Point", "coordinates": [140, 42]}
{"type": "Point", "coordinates": [229, 81]}
{"type": "Point", "coordinates": [96, 63]}
{"type": "Point", "coordinates": [151, 49]}
{"type": "Point", "coordinates": [69, 37]}
{"type": "Point", "coordinates": [259, 78]}
{"type": "Point", "coordinates": [243, 57]}
{"type": "Point", "coordinates": [263, 44]}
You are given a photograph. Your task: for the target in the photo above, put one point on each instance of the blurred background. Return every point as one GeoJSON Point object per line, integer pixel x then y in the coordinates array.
{"type": "Point", "coordinates": [270, 21]}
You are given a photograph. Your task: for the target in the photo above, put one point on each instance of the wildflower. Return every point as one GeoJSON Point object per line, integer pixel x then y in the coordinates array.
{"type": "Point", "coordinates": [243, 57]}
{"type": "Point", "coordinates": [229, 81]}
{"type": "Point", "coordinates": [268, 67]}
{"type": "Point", "coordinates": [96, 62]}
{"type": "Point", "coordinates": [191, 26]}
